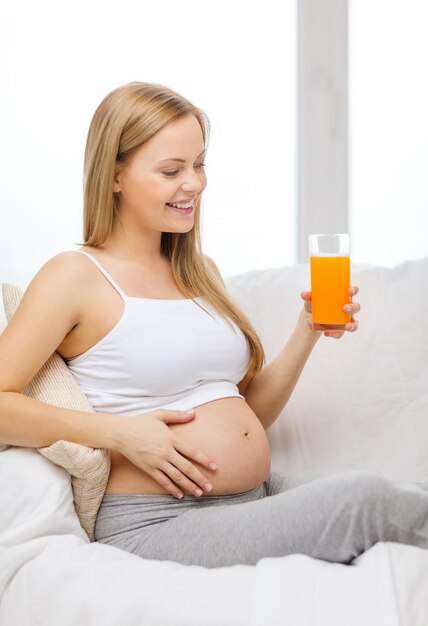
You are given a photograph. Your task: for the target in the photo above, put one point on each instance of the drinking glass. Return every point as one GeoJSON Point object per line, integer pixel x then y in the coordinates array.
{"type": "Point", "coordinates": [330, 280]}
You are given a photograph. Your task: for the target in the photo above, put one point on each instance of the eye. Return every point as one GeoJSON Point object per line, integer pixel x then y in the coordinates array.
{"type": "Point", "coordinates": [170, 173]}
{"type": "Point", "coordinates": [173, 173]}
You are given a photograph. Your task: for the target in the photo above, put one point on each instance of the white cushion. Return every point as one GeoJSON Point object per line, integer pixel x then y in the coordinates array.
{"type": "Point", "coordinates": [38, 497]}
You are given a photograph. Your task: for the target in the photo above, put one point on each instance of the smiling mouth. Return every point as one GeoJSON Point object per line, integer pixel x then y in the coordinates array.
{"type": "Point", "coordinates": [185, 211]}
{"type": "Point", "coordinates": [183, 204]}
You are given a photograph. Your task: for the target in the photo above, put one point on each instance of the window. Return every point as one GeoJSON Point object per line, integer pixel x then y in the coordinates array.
{"type": "Point", "coordinates": [388, 103]}
{"type": "Point", "coordinates": [237, 61]}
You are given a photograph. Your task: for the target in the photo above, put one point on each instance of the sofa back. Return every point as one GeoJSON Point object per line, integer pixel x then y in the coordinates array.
{"type": "Point", "coordinates": [361, 401]}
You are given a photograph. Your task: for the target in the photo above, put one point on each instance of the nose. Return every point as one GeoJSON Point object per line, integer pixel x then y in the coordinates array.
{"type": "Point", "coordinates": [193, 183]}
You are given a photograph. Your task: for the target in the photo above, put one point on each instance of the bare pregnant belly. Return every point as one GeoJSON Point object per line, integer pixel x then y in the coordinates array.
{"type": "Point", "coordinates": [229, 432]}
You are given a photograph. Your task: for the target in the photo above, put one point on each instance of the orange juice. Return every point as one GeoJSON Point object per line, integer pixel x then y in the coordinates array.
{"type": "Point", "coordinates": [330, 281]}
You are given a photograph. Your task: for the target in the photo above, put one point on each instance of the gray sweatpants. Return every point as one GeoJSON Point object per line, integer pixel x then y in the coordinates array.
{"type": "Point", "coordinates": [334, 518]}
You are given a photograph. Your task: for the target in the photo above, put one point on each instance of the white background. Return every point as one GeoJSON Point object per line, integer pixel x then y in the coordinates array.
{"type": "Point", "coordinates": [388, 149]}
{"type": "Point", "coordinates": [235, 60]}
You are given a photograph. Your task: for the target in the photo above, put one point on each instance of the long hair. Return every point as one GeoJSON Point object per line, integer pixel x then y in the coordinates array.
{"type": "Point", "coordinates": [125, 120]}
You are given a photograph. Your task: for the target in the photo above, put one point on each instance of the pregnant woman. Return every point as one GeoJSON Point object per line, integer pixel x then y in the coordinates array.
{"type": "Point", "coordinates": [145, 324]}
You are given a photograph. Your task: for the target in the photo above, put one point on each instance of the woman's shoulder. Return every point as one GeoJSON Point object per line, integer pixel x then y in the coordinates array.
{"type": "Point", "coordinates": [63, 275]}
{"type": "Point", "coordinates": [50, 308]}
{"type": "Point", "coordinates": [69, 262]}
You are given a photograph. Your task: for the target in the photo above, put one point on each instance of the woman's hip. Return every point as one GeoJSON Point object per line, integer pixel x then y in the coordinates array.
{"type": "Point", "coordinates": [121, 514]}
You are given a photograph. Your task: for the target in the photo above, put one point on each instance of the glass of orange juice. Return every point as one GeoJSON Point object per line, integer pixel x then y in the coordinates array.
{"type": "Point", "coordinates": [330, 280]}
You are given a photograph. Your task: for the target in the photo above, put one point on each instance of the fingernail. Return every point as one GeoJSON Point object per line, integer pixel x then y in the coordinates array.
{"type": "Point", "coordinates": [198, 492]}
{"type": "Point", "coordinates": [190, 412]}
{"type": "Point", "coordinates": [208, 487]}
{"type": "Point", "coordinates": [347, 307]}
{"type": "Point", "coordinates": [213, 466]}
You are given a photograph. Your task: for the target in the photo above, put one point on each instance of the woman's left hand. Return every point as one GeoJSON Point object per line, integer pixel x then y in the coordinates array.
{"type": "Point", "coordinates": [351, 308]}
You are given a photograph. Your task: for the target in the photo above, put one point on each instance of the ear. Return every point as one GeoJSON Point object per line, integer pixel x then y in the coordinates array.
{"type": "Point", "coordinates": [116, 183]}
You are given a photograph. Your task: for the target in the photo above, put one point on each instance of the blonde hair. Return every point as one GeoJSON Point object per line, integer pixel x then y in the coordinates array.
{"type": "Point", "coordinates": [125, 120]}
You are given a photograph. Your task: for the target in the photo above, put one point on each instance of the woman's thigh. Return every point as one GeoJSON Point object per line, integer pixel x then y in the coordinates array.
{"type": "Point", "coordinates": [277, 482]}
{"type": "Point", "coordinates": [290, 518]}
{"type": "Point", "coordinates": [334, 518]}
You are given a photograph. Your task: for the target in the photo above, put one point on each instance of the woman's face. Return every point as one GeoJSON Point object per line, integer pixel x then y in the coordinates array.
{"type": "Point", "coordinates": [152, 178]}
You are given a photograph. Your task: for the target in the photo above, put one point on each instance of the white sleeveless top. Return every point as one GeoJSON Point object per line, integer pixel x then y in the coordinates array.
{"type": "Point", "coordinates": [168, 354]}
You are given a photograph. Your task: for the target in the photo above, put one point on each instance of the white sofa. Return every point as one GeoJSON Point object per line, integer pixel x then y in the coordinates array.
{"type": "Point", "coordinates": [361, 402]}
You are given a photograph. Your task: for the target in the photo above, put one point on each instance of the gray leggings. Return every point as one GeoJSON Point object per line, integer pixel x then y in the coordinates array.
{"type": "Point", "coordinates": [334, 518]}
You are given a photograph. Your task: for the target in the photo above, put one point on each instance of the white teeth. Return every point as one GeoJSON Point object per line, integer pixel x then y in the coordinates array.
{"type": "Point", "coordinates": [182, 205]}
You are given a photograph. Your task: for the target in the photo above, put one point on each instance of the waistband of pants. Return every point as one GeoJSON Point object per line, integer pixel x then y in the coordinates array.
{"type": "Point", "coordinates": [161, 499]}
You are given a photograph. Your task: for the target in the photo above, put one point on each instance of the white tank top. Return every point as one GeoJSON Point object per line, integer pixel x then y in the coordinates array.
{"type": "Point", "coordinates": [161, 354]}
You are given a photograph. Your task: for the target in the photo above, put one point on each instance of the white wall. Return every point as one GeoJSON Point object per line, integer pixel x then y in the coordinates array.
{"type": "Point", "coordinates": [236, 60]}
{"type": "Point", "coordinates": [388, 98]}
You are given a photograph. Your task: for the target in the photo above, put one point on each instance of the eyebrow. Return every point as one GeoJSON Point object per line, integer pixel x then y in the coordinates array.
{"type": "Point", "coordinates": [181, 160]}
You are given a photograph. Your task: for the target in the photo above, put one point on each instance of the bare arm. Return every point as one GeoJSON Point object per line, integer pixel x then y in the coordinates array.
{"type": "Point", "coordinates": [269, 391]}
{"type": "Point", "coordinates": [30, 423]}
{"type": "Point", "coordinates": [49, 309]}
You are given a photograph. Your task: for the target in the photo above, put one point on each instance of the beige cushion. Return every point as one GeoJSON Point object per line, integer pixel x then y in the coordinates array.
{"type": "Point", "coordinates": [89, 467]}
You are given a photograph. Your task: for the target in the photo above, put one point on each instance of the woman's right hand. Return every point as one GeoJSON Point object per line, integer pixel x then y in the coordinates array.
{"type": "Point", "coordinates": [149, 444]}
